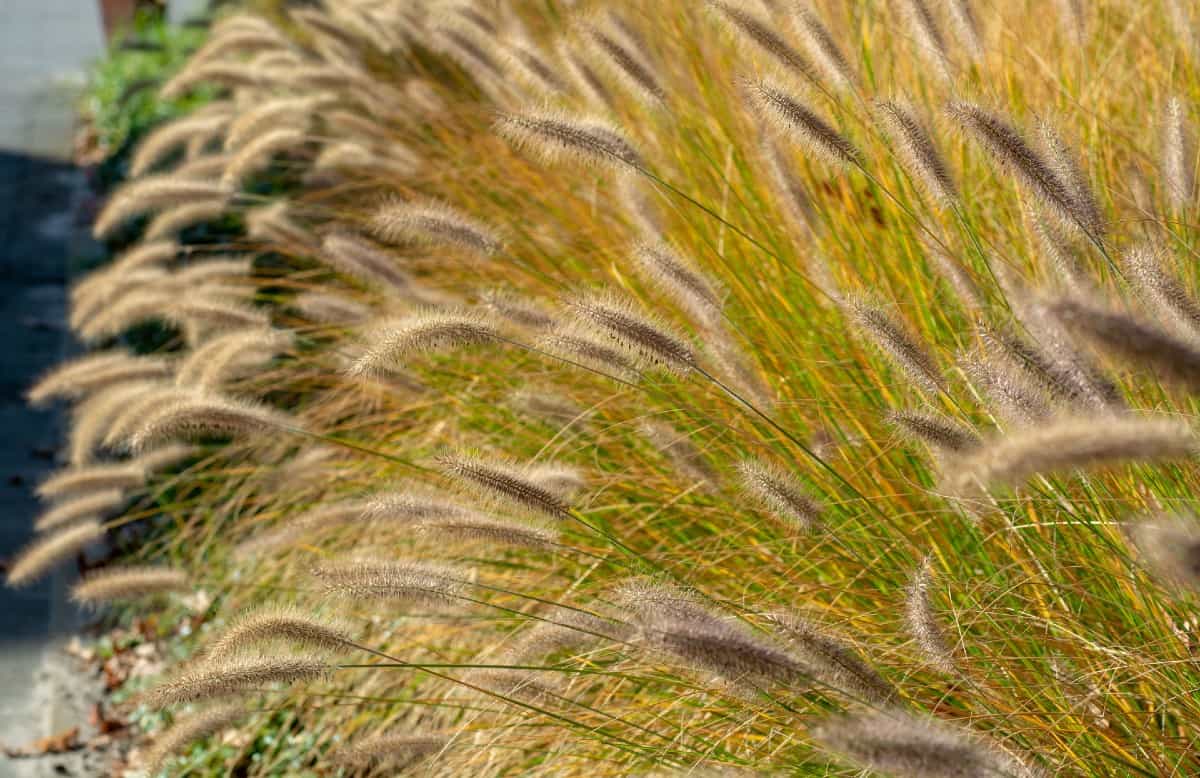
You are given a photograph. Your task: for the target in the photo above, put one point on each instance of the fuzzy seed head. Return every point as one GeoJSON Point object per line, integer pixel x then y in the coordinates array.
{"type": "Point", "coordinates": [231, 677]}
{"type": "Point", "coordinates": [1170, 547]}
{"type": "Point", "coordinates": [915, 147]}
{"type": "Point", "coordinates": [1069, 444]}
{"type": "Point", "coordinates": [553, 137]}
{"type": "Point", "coordinates": [678, 278]}
{"type": "Point", "coordinates": [432, 224]}
{"type": "Point", "coordinates": [92, 505]}
{"type": "Point", "coordinates": [824, 50]}
{"type": "Point", "coordinates": [831, 660]}
{"type": "Point", "coordinates": [642, 337]}
{"type": "Point", "coordinates": [631, 68]}
{"type": "Point", "coordinates": [901, 744]}
{"type": "Point", "coordinates": [1134, 342]}
{"type": "Point", "coordinates": [922, 622]}
{"type": "Point", "coordinates": [409, 582]}
{"type": "Point", "coordinates": [201, 415]}
{"type": "Point", "coordinates": [36, 559]}
{"type": "Point", "coordinates": [923, 28]}
{"type": "Point", "coordinates": [760, 33]}
{"type": "Point", "coordinates": [575, 343]}
{"type": "Point", "coordinates": [93, 478]}
{"type": "Point", "coordinates": [391, 751]}
{"type": "Point", "coordinates": [1178, 155]}
{"type": "Point", "coordinates": [792, 117]}
{"type": "Point", "coordinates": [1033, 170]}
{"type": "Point", "coordinates": [113, 584]}
{"type": "Point", "coordinates": [365, 260]}
{"type": "Point", "coordinates": [189, 729]}
{"type": "Point", "coordinates": [779, 493]}
{"type": "Point", "coordinates": [939, 432]}
{"type": "Point", "coordinates": [286, 625]}
{"type": "Point", "coordinates": [903, 348]}
{"type": "Point", "coordinates": [502, 480]}
{"type": "Point", "coordinates": [391, 343]}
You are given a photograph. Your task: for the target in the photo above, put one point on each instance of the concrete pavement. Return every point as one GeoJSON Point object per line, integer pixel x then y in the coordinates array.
{"type": "Point", "coordinates": [45, 47]}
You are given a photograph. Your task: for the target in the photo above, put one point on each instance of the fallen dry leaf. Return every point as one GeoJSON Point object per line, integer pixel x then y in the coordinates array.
{"type": "Point", "coordinates": [65, 741]}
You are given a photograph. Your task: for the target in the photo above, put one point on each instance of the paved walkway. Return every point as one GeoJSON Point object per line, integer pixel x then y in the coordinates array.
{"type": "Point", "coordinates": [44, 47]}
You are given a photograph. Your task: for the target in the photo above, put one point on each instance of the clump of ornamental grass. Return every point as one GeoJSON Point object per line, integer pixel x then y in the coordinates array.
{"type": "Point", "coordinates": [122, 583]}
{"type": "Point", "coordinates": [755, 245]}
